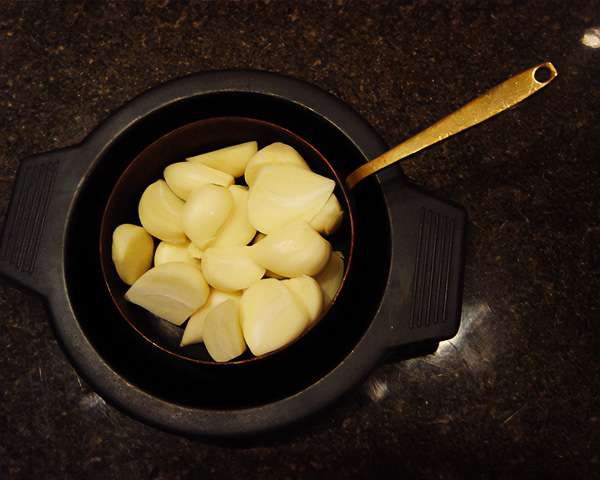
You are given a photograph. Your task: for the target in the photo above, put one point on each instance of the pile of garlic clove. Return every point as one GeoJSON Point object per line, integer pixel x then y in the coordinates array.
{"type": "Point", "coordinates": [239, 266]}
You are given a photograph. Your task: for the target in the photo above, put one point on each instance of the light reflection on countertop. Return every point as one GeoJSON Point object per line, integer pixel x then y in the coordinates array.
{"type": "Point", "coordinates": [472, 314]}
{"type": "Point", "coordinates": [591, 37]}
{"type": "Point", "coordinates": [377, 389]}
{"type": "Point", "coordinates": [91, 401]}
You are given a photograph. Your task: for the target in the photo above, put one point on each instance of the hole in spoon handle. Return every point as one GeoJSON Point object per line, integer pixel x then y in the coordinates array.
{"type": "Point", "coordinates": [496, 100]}
{"type": "Point", "coordinates": [544, 73]}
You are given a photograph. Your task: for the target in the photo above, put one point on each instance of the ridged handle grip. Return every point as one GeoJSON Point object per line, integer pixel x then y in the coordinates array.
{"type": "Point", "coordinates": [433, 262]}
{"type": "Point", "coordinates": [25, 229]}
{"type": "Point", "coordinates": [25, 221]}
{"type": "Point", "coordinates": [423, 300]}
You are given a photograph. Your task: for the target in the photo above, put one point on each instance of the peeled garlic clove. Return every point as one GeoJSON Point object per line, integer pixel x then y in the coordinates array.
{"type": "Point", "coordinates": [174, 252]}
{"type": "Point", "coordinates": [308, 290]}
{"type": "Point", "coordinates": [205, 211]}
{"type": "Point", "coordinates": [160, 212]}
{"type": "Point", "coordinates": [292, 251]}
{"type": "Point", "coordinates": [172, 291]}
{"type": "Point", "coordinates": [232, 160]}
{"type": "Point", "coordinates": [230, 268]}
{"type": "Point", "coordinates": [184, 177]}
{"type": "Point", "coordinates": [330, 278]}
{"type": "Point", "coordinates": [194, 328]}
{"type": "Point", "coordinates": [271, 316]}
{"type": "Point", "coordinates": [223, 335]}
{"type": "Point", "coordinates": [275, 154]}
{"type": "Point", "coordinates": [132, 249]}
{"type": "Point", "coordinates": [237, 229]}
{"type": "Point", "coordinates": [284, 193]}
{"type": "Point", "coordinates": [268, 273]}
{"type": "Point", "coordinates": [329, 218]}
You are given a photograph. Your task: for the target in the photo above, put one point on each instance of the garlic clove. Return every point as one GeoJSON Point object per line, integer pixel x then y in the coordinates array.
{"type": "Point", "coordinates": [271, 316]}
{"type": "Point", "coordinates": [194, 328]}
{"type": "Point", "coordinates": [132, 249]}
{"type": "Point", "coordinates": [223, 335]}
{"type": "Point", "coordinates": [174, 252]}
{"type": "Point", "coordinates": [172, 291]}
{"type": "Point", "coordinates": [330, 278]}
{"type": "Point", "coordinates": [184, 177]}
{"type": "Point", "coordinates": [292, 251]}
{"type": "Point", "coordinates": [237, 229]}
{"type": "Point", "coordinates": [160, 212]}
{"type": "Point", "coordinates": [284, 193]}
{"type": "Point", "coordinates": [230, 268]}
{"type": "Point", "coordinates": [274, 154]}
{"type": "Point", "coordinates": [232, 160]}
{"type": "Point", "coordinates": [205, 212]}
{"type": "Point", "coordinates": [330, 217]}
{"type": "Point", "coordinates": [309, 292]}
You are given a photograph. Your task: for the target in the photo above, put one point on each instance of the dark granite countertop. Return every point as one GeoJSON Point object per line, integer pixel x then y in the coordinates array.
{"type": "Point", "coordinates": [513, 395]}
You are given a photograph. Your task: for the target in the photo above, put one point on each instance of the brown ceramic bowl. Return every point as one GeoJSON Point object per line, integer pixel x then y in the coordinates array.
{"type": "Point", "coordinates": [192, 139]}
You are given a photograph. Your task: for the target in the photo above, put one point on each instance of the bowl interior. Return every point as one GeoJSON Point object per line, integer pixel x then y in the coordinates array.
{"type": "Point", "coordinates": [174, 378]}
{"type": "Point", "coordinates": [193, 139]}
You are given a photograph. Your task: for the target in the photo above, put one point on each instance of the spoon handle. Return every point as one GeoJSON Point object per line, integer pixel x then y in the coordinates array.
{"type": "Point", "coordinates": [499, 98]}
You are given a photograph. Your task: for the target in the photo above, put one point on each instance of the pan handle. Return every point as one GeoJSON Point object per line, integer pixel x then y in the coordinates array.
{"type": "Point", "coordinates": [31, 235]}
{"type": "Point", "coordinates": [423, 299]}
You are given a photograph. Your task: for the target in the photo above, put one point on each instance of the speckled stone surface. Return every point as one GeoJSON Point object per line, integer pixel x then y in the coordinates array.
{"type": "Point", "coordinates": [514, 395]}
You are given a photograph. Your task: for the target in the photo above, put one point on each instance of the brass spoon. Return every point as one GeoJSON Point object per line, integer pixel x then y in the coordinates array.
{"type": "Point", "coordinates": [499, 98]}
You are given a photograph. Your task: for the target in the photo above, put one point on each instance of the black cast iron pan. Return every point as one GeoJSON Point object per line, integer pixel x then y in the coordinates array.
{"type": "Point", "coordinates": [402, 286]}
